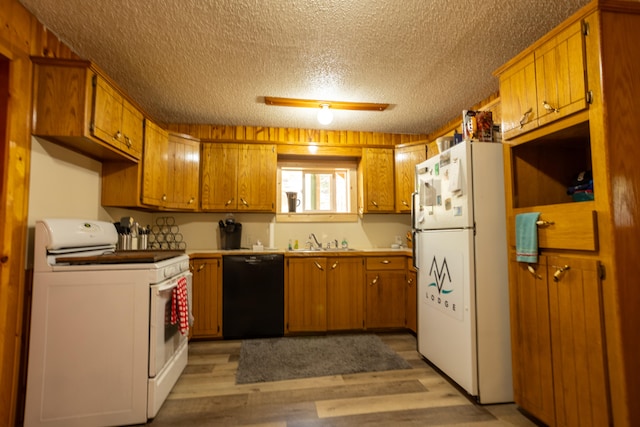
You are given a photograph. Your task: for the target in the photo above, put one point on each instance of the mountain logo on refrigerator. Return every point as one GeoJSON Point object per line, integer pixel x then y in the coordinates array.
{"type": "Point", "coordinates": [441, 273]}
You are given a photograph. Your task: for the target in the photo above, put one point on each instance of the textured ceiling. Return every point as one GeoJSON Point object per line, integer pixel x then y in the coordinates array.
{"type": "Point", "coordinates": [212, 61]}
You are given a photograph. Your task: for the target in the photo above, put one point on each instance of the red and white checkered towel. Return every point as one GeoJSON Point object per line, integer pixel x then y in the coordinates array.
{"type": "Point", "coordinates": [180, 306]}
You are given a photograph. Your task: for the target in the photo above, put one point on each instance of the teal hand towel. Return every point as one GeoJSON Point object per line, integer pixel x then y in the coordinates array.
{"type": "Point", "coordinates": [527, 237]}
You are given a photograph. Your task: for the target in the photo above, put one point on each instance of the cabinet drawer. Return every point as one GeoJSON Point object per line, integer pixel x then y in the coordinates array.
{"type": "Point", "coordinates": [564, 228]}
{"type": "Point", "coordinates": [385, 263]}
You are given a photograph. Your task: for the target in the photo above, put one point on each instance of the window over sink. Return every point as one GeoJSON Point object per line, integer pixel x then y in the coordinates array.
{"type": "Point", "coordinates": [317, 190]}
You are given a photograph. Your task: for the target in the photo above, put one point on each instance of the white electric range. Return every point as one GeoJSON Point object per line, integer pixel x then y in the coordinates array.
{"type": "Point", "coordinates": [103, 349]}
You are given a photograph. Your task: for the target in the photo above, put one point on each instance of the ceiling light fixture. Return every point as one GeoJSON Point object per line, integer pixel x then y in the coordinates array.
{"type": "Point", "coordinates": [325, 116]}
{"type": "Point", "coordinates": [326, 106]}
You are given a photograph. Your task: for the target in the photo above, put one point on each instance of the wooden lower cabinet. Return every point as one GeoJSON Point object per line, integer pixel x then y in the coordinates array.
{"type": "Point", "coordinates": [385, 283]}
{"type": "Point", "coordinates": [306, 294]}
{"type": "Point", "coordinates": [559, 365]}
{"type": "Point", "coordinates": [411, 318]}
{"type": "Point", "coordinates": [207, 298]}
{"type": "Point", "coordinates": [342, 293]}
{"type": "Point", "coordinates": [531, 339]}
{"type": "Point", "coordinates": [345, 293]}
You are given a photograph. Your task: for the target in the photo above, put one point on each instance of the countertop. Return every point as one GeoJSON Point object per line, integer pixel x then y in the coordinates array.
{"type": "Point", "coordinates": [216, 253]}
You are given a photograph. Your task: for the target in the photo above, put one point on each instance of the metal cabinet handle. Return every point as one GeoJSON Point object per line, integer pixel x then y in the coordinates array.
{"type": "Point", "coordinates": [543, 223]}
{"type": "Point", "coordinates": [549, 108]}
{"type": "Point", "coordinates": [406, 204]}
{"type": "Point", "coordinates": [375, 281]}
{"type": "Point", "coordinates": [164, 197]}
{"type": "Point", "coordinates": [335, 265]}
{"type": "Point", "coordinates": [533, 272]}
{"type": "Point", "coordinates": [202, 266]}
{"type": "Point", "coordinates": [244, 202]}
{"type": "Point", "coordinates": [410, 282]}
{"type": "Point", "coordinates": [374, 203]}
{"type": "Point", "coordinates": [228, 202]}
{"type": "Point", "coordinates": [117, 135]}
{"type": "Point", "coordinates": [560, 272]}
{"type": "Point", "coordinates": [191, 200]}
{"type": "Point", "coordinates": [318, 265]}
{"type": "Point", "coordinates": [525, 116]}
{"type": "Point", "coordinates": [385, 261]}
{"type": "Point", "coordinates": [127, 141]}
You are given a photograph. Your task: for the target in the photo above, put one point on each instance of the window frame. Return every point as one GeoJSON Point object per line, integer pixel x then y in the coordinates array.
{"type": "Point", "coordinates": [319, 165]}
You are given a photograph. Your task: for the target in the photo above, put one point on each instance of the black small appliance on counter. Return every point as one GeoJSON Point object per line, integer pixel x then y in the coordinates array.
{"type": "Point", "coordinates": [230, 233]}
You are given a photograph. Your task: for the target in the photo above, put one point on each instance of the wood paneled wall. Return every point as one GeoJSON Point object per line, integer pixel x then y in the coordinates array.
{"type": "Point", "coordinates": [21, 35]}
{"type": "Point", "coordinates": [292, 135]}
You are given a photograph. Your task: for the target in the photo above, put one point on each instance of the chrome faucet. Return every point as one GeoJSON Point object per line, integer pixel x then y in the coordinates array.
{"type": "Point", "coordinates": [313, 236]}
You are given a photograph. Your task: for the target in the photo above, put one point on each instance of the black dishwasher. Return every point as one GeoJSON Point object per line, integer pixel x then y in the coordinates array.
{"type": "Point", "coordinates": [252, 296]}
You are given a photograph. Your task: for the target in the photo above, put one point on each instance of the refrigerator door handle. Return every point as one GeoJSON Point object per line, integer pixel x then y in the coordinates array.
{"type": "Point", "coordinates": [414, 197]}
{"type": "Point", "coordinates": [413, 208]}
{"type": "Point", "coordinates": [414, 248]}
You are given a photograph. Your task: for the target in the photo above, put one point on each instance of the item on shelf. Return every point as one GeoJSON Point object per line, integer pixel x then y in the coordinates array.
{"type": "Point", "coordinates": [484, 126]}
{"type": "Point", "coordinates": [165, 234]}
{"type": "Point", "coordinates": [581, 188]}
{"type": "Point", "coordinates": [477, 126]}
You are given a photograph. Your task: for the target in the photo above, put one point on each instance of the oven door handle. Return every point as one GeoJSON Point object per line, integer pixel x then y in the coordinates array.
{"type": "Point", "coordinates": [168, 285]}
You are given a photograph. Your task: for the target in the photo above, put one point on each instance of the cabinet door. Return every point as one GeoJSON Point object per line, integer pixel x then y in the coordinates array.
{"type": "Point", "coordinates": [107, 113]}
{"type": "Point", "coordinates": [531, 339]}
{"type": "Point", "coordinates": [206, 298]}
{"type": "Point", "coordinates": [132, 130]}
{"type": "Point", "coordinates": [257, 176]}
{"type": "Point", "coordinates": [560, 75]}
{"type": "Point", "coordinates": [183, 166]}
{"type": "Point", "coordinates": [518, 98]}
{"type": "Point", "coordinates": [345, 293]}
{"type": "Point", "coordinates": [577, 342]}
{"type": "Point", "coordinates": [385, 299]}
{"type": "Point", "coordinates": [412, 300]}
{"type": "Point", "coordinates": [219, 176]}
{"type": "Point", "coordinates": [154, 175]}
{"type": "Point", "coordinates": [306, 294]}
{"type": "Point", "coordinates": [378, 179]}
{"type": "Point", "coordinates": [406, 160]}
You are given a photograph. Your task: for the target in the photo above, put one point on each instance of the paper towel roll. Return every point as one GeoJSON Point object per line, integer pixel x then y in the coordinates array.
{"type": "Point", "coordinates": [272, 234]}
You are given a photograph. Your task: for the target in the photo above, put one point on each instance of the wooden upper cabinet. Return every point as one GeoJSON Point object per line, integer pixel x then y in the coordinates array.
{"type": "Point", "coordinates": [155, 180]}
{"type": "Point", "coordinates": [257, 177]}
{"type": "Point", "coordinates": [377, 180]}
{"type": "Point", "coordinates": [239, 177]}
{"type": "Point", "coordinates": [132, 129]}
{"type": "Point", "coordinates": [75, 105]}
{"type": "Point", "coordinates": [518, 98]}
{"type": "Point", "coordinates": [406, 159]}
{"type": "Point", "coordinates": [219, 176]}
{"type": "Point", "coordinates": [560, 75]}
{"type": "Point", "coordinates": [171, 169]}
{"type": "Point", "coordinates": [546, 84]}
{"type": "Point", "coordinates": [183, 169]}
{"type": "Point", "coordinates": [115, 120]}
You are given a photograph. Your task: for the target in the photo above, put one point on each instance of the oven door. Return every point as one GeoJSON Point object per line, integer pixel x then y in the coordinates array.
{"type": "Point", "coordinates": [164, 337]}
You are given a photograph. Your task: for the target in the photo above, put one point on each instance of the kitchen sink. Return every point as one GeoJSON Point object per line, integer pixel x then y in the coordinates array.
{"type": "Point", "coordinates": [314, 250]}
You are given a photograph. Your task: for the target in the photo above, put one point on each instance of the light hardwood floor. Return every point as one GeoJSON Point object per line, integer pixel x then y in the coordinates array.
{"type": "Point", "coordinates": [206, 395]}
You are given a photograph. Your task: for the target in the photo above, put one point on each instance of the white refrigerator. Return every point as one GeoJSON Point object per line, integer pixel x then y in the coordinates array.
{"type": "Point", "coordinates": [460, 251]}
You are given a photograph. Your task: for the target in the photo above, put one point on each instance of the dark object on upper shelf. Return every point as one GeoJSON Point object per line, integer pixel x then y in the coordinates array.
{"type": "Point", "coordinates": [581, 189]}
